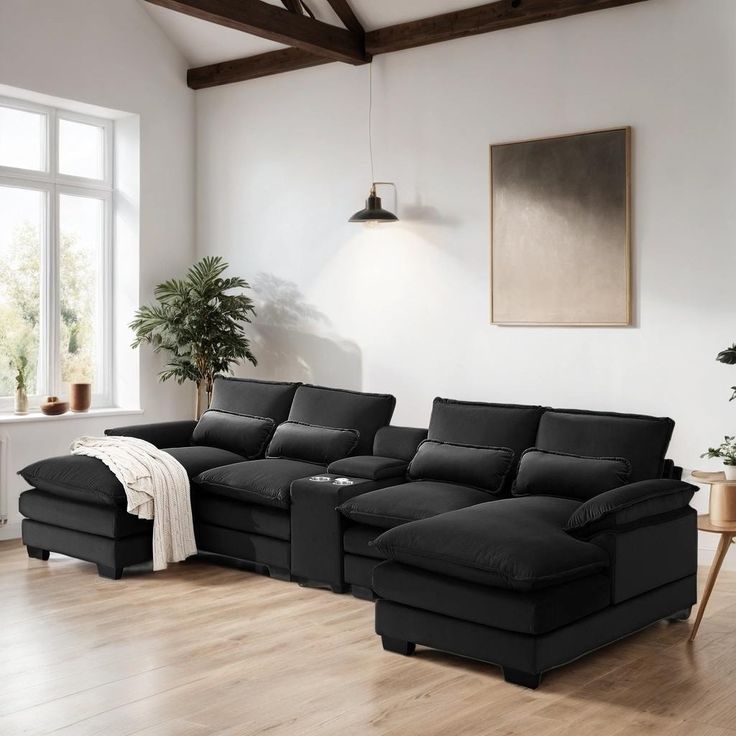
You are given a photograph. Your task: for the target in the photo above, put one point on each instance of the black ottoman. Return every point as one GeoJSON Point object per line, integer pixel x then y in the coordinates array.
{"type": "Point", "coordinates": [78, 508]}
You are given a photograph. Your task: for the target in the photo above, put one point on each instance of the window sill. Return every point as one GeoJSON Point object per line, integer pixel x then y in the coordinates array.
{"type": "Point", "coordinates": [36, 416]}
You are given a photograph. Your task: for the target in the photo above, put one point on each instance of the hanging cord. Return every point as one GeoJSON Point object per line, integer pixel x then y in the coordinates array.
{"type": "Point", "coordinates": [370, 118]}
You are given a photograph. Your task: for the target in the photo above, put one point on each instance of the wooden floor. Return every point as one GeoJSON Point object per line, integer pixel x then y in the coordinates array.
{"type": "Point", "coordinates": [202, 649]}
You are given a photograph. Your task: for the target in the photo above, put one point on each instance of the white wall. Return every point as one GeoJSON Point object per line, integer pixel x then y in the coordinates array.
{"type": "Point", "coordinates": [111, 53]}
{"type": "Point", "coordinates": [282, 163]}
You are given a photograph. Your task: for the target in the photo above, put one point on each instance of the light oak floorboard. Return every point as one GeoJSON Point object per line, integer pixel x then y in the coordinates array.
{"type": "Point", "coordinates": [202, 649]}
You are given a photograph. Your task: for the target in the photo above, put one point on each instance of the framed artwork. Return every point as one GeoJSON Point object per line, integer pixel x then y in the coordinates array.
{"type": "Point", "coordinates": [561, 230]}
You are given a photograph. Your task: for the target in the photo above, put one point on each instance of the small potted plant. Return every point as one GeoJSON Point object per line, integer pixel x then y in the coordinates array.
{"type": "Point", "coordinates": [20, 364]}
{"type": "Point", "coordinates": [727, 452]}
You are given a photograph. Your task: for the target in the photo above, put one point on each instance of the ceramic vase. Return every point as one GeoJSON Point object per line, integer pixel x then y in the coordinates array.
{"type": "Point", "coordinates": [21, 401]}
{"type": "Point", "coordinates": [80, 396]}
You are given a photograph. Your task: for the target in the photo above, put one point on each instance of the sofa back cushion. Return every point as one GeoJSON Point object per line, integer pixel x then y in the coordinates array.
{"type": "Point", "coordinates": [332, 407]}
{"type": "Point", "coordinates": [544, 473]}
{"type": "Point", "coordinates": [398, 442]}
{"type": "Point", "coordinates": [311, 443]}
{"type": "Point", "coordinates": [484, 468]}
{"type": "Point", "coordinates": [642, 440]}
{"type": "Point", "coordinates": [486, 425]}
{"type": "Point", "coordinates": [270, 399]}
{"type": "Point", "coordinates": [240, 433]}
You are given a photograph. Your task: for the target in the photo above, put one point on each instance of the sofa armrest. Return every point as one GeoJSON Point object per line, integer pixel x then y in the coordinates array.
{"type": "Point", "coordinates": [370, 467]}
{"type": "Point", "coordinates": [317, 529]}
{"type": "Point", "coordinates": [671, 471]}
{"type": "Point", "coordinates": [628, 505]}
{"type": "Point", "coordinates": [160, 434]}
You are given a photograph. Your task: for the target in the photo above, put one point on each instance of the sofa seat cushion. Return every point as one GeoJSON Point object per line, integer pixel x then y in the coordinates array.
{"type": "Point", "coordinates": [515, 543]}
{"type": "Point", "coordinates": [532, 612]}
{"type": "Point", "coordinates": [265, 482]}
{"type": "Point", "coordinates": [227, 513]}
{"type": "Point", "coordinates": [89, 480]}
{"type": "Point", "coordinates": [357, 541]}
{"type": "Point", "coordinates": [399, 504]}
{"type": "Point", "coordinates": [103, 520]}
{"type": "Point", "coordinates": [198, 458]}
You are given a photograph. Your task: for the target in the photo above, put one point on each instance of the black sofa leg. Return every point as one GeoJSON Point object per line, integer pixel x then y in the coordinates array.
{"type": "Point", "coordinates": [683, 615]}
{"type": "Point", "coordinates": [279, 573]}
{"type": "Point", "coordinates": [519, 677]}
{"type": "Point", "coordinates": [398, 645]}
{"type": "Point", "coordinates": [113, 573]}
{"type": "Point", "coordinates": [37, 553]}
{"type": "Point", "coordinates": [365, 594]}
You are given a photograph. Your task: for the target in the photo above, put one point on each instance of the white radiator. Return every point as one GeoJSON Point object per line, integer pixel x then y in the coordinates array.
{"type": "Point", "coordinates": [4, 476]}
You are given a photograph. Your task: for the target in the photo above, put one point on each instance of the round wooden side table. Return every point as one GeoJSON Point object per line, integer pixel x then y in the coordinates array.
{"type": "Point", "coordinates": [721, 519]}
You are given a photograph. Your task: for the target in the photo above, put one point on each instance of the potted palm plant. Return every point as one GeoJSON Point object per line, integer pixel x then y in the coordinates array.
{"type": "Point", "coordinates": [199, 323]}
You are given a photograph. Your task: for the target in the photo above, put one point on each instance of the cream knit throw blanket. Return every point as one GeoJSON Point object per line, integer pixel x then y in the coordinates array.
{"type": "Point", "coordinates": [157, 487]}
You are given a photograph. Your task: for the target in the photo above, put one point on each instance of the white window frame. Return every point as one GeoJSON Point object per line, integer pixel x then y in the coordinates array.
{"type": "Point", "coordinates": [54, 184]}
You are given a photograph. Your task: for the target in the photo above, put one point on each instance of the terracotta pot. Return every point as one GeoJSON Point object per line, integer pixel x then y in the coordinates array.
{"type": "Point", "coordinates": [80, 396]}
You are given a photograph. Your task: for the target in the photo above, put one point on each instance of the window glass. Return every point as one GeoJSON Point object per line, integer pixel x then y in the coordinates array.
{"type": "Point", "coordinates": [21, 236]}
{"type": "Point", "coordinates": [81, 233]}
{"type": "Point", "coordinates": [81, 149]}
{"type": "Point", "coordinates": [22, 139]}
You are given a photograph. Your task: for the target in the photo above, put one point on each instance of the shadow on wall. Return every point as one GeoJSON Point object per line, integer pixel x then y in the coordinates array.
{"type": "Point", "coordinates": [418, 212]}
{"type": "Point", "coordinates": [292, 342]}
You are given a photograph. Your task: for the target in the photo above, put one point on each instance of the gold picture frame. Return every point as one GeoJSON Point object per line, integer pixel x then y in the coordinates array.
{"type": "Point", "coordinates": [561, 230]}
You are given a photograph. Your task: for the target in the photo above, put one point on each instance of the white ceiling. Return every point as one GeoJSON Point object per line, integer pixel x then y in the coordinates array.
{"type": "Point", "coordinates": [206, 43]}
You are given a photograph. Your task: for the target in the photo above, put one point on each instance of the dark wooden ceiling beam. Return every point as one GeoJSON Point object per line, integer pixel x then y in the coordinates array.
{"type": "Point", "coordinates": [345, 13]}
{"type": "Point", "coordinates": [293, 6]}
{"type": "Point", "coordinates": [486, 18]}
{"type": "Point", "coordinates": [276, 24]}
{"type": "Point", "coordinates": [298, 6]}
{"type": "Point", "coordinates": [253, 67]}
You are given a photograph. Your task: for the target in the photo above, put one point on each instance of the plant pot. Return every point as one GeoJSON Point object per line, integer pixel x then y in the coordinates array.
{"type": "Point", "coordinates": [52, 407]}
{"type": "Point", "coordinates": [80, 396]}
{"type": "Point", "coordinates": [730, 471]}
{"type": "Point", "coordinates": [21, 402]}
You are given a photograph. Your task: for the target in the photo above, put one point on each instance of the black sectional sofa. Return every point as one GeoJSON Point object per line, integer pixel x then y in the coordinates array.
{"type": "Point", "coordinates": [523, 536]}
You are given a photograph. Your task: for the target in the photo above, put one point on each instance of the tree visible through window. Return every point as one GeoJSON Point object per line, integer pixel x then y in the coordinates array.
{"type": "Point", "coordinates": [54, 250]}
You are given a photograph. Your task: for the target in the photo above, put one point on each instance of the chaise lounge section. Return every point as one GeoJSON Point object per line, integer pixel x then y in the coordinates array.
{"type": "Point", "coordinates": [77, 507]}
{"type": "Point", "coordinates": [597, 542]}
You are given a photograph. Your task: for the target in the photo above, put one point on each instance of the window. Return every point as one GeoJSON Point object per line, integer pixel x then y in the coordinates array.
{"type": "Point", "coordinates": [55, 250]}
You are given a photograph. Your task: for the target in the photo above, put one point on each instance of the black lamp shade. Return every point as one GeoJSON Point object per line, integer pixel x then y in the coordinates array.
{"type": "Point", "coordinates": [373, 212]}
